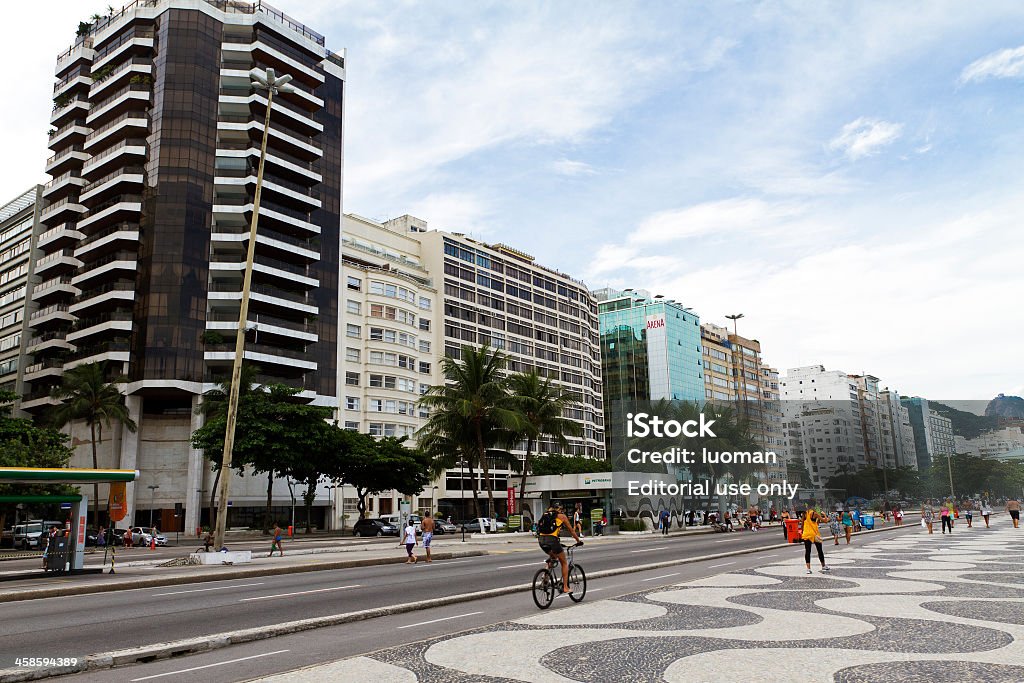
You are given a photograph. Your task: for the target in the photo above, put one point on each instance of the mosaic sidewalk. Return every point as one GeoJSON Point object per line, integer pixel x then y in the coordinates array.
{"type": "Point", "coordinates": [913, 608]}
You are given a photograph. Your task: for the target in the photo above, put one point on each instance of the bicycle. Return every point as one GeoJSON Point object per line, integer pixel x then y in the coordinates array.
{"type": "Point", "coordinates": [546, 582]}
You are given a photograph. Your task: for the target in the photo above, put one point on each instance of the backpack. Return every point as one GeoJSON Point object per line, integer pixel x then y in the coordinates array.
{"type": "Point", "coordinates": [546, 524]}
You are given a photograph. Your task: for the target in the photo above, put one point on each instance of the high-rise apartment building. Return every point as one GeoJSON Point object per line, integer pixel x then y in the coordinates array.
{"type": "Point", "coordinates": [19, 221]}
{"type": "Point", "coordinates": [156, 136]}
{"type": "Point", "coordinates": [413, 296]}
{"type": "Point", "coordinates": [933, 432]}
{"type": "Point", "coordinates": [650, 350]}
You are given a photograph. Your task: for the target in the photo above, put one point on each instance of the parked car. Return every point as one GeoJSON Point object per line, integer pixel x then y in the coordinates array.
{"type": "Point", "coordinates": [442, 527]}
{"type": "Point", "coordinates": [396, 521]}
{"type": "Point", "coordinates": [374, 527]}
{"type": "Point", "coordinates": [142, 536]}
{"type": "Point", "coordinates": [475, 525]}
{"type": "Point", "coordinates": [26, 536]}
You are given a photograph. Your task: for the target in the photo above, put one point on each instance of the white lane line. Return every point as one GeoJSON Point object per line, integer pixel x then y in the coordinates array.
{"type": "Point", "coordinates": [434, 621]}
{"type": "Point", "coordinates": [773, 555]}
{"type": "Point", "coordinates": [202, 590]}
{"type": "Point", "coordinates": [207, 666]}
{"type": "Point", "coordinates": [650, 550]}
{"type": "Point", "coordinates": [666, 576]}
{"type": "Point", "coordinates": [515, 566]}
{"type": "Point", "coordinates": [725, 564]}
{"type": "Point", "coordinates": [288, 595]}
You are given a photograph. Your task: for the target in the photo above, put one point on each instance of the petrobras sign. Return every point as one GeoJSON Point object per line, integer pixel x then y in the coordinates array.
{"type": "Point", "coordinates": [655, 322]}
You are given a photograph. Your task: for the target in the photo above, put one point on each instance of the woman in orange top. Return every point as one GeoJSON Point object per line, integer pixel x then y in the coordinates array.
{"type": "Point", "coordinates": [811, 534]}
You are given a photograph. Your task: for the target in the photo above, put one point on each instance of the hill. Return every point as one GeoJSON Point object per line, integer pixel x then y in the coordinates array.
{"type": "Point", "coordinates": [1006, 406]}
{"type": "Point", "coordinates": [967, 425]}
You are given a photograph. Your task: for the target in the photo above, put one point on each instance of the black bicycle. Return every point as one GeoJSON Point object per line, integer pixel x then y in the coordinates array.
{"type": "Point", "coordinates": [547, 582]}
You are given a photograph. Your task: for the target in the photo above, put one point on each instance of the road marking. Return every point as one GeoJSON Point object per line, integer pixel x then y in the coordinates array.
{"type": "Point", "coordinates": [201, 590]}
{"type": "Point", "coordinates": [207, 666]}
{"type": "Point", "coordinates": [515, 566]}
{"type": "Point", "coordinates": [726, 564]}
{"type": "Point", "coordinates": [655, 578]}
{"type": "Point", "coordinates": [774, 555]}
{"type": "Point", "coordinates": [288, 595]}
{"type": "Point", "coordinates": [650, 550]}
{"type": "Point", "coordinates": [434, 621]}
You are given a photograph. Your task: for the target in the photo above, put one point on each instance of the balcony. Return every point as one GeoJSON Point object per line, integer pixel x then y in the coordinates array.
{"type": "Point", "coordinates": [130, 67]}
{"type": "Point", "coordinates": [75, 129]}
{"type": "Point", "coordinates": [47, 315]}
{"type": "Point", "coordinates": [118, 321]}
{"type": "Point", "coordinates": [262, 354]}
{"type": "Point", "coordinates": [59, 260]}
{"type": "Point", "coordinates": [141, 38]}
{"type": "Point", "coordinates": [125, 123]}
{"type": "Point", "coordinates": [228, 321]}
{"type": "Point", "coordinates": [69, 207]}
{"type": "Point", "coordinates": [73, 155]}
{"type": "Point", "coordinates": [281, 136]}
{"type": "Point", "coordinates": [283, 62]}
{"type": "Point", "coordinates": [230, 293]}
{"type": "Point", "coordinates": [286, 244]}
{"type": "Point", "coordinates": [264, 267]}
{"type": "Point", "coordinates": [52, 367]}
{"type": "Point", "coordinates": [132, 94]}
{"type": "Point", "coordinates": [133, 175]}
{"type": "Point", "coordinates": [125, 231]}
{"type": "Point", "coordinates": [129, 147]}
{"type": "Point", "coordinates": [55, 339]}
{"type": "Point", "coordinates": [280, 190]}
{"type": "Point", "coordinates": [60, 285]}
{"type": "Point", "coordinates": [81, 49]}
{"type": "Point", "coordinates": [69, 182]}
{"type": "Point", "coordinates": [122, 260]}
{"type": "Point", "coordinates": [65, 107]}
{"type": "Point", "coordinates": [112, 293]}
{"type": "Point", "coordinates": [117, 350]}
{"type": "Point", "coordinates": [99, 215]}
{"type": "Point", "coordinates": [270, 211]}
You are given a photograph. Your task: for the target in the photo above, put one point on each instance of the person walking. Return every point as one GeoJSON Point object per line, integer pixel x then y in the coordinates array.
{"type": "Point", "coordinates": [986, 512]}
{"type": "Point", "coordinates": [577, 519]}
{"type": "Point", "coordinates": [409, 539]}
{"type": "Point", "coordinates": [664, 522]}
{"type": "Point", "coordinates": [897, 515]}
{"type": "Point", "coordinates": [946, 515]}
{"type": "Point", "coordinates": [848, 525]}
{"type": "Point", "coordinates": [812, 535]}
{"type": "Point", "coordinates": [427, 525]}
{"type": "Point", "coordinates": [128, 540]}
{"type": "Point", "coordinates": [969, 516]}
{"type": "Point", "coordinates": [835, 525]}
{"type": "Point", "coordinates": [928, 515]}
{"type": "Point", "coordinates": [1013, 507]}
{"type": "Point", "coordinates": [276, 543]}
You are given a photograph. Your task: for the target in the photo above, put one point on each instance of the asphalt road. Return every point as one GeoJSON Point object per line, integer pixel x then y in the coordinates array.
{"type": "Point", "coordinates": [253, 660]}
{"type": "Point", "coordinates": [75, 626]}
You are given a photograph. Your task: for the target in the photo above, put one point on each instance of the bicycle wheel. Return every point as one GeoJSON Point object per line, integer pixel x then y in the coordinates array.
{"type": "Point", "coordinates": [577, 582]}
{"type": "Point", "coordinates": [543, 589]}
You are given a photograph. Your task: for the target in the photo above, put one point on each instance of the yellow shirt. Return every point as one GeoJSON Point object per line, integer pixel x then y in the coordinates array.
{"type": "Point", "coordinates": [558, 527]}
{"type": "Point", "coordinates": [810, 531]}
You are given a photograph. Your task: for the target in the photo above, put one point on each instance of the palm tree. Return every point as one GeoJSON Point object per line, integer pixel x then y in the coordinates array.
{"type": "Point", "coordinates": [472, 409]}
{"type": "Point", "coordinates": [86, 395]}
{"type": "Point", "coordinates": [542, 406]}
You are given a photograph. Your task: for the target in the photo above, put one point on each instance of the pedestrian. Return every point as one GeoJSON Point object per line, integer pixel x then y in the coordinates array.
{"type": "Point", "coordinates": [577, 519]}
{"type": "Point", "coordinates": [1013, 507]}
{"type": "Point", "coordinates": [276, 543]}
{"type": "Point", "coordinates": [928, 515]}
{"type": "Point", "coordinates": [409, 539]}
{"type": "Point", "coordinates": [897, 515]}
{"type": "Point", "coordinates": [208, 541]}
{"type": "Point", "coordinates": [664, 522]}
{"type": "Point", "coordinates": [427, 525]}
{"type": "Point", "coordinates": [848, 525]}
{"type": "Point", "coordinates": [812, 535]}
{"type": "Point", "coordinates": [969, 516]}
{"type": "Point", "coordinates": [946, 517]}
{"type": "Point", "coordinates": [835, 525]}
{"type": "Point", "coordinates": [45, 539]}
{"type": "Point", "coordinates": [986, 511]}
{"type": "Point", "coordinates": [101, 537]}
{"type": "Point", "coordinates": [128, 540]}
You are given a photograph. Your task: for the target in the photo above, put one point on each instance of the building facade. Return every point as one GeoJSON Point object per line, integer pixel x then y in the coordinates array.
{"type": "Point", "coordinates": [992, 444]}
{"type": "Point", "coordinates": [19, 227]}
{"type": "Point", "coordinates": [650, 350]}
{"type": "Point", "coordinates": [156, 135]}
{"type": "Point", "coordinates": [933, 432]}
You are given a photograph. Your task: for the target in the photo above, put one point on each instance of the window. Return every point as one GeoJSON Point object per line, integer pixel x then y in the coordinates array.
{"type": "Point", "coordinates": [351, 403]}
{"type": "Point", "coordinates": [353, 307]}
{"type": "Point", "coordinates": [352, 354]}
{"type": "Point", "coordinates": [424, 388]}
{"type": "Point", "coordinates": [425, 368]}
{"type": "Point", "coordinates": [424, 325]}
{"type": "Point", "coordinates": [352, 427]}
{"type": "Point", "coordinates": [424, 303]}
{"type": "Point", "coordinates": [352, 379]}
{"type": "Point", "coordinates": [353, 330]}
{"type": "Point", "coordinates": [354, 283]}
{"type": "Point", "coordinates": [424, 347]}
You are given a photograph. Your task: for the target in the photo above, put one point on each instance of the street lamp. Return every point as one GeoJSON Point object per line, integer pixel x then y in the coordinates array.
{"type": "Point", "coordinates": [330, 488]}
{"type": "Point", "coordinates": [291, 492]}
{"type": "Point", "coordinates": [152, 498]}
{"type": "Point", "coordinates": [273, 85]}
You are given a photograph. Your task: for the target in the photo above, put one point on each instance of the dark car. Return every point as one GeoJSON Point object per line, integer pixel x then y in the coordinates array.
{"type": "Point", "coordinates": [374, 527]}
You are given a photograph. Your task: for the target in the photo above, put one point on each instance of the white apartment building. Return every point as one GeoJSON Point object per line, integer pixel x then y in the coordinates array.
{"type": "Point", "coordinates": [413, 296]}
{"type": "Point", "coordinates": [19, 222]}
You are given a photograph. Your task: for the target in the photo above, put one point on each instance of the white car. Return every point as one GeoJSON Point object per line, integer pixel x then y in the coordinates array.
{"type": "Point", "coordinates": [141, 536]}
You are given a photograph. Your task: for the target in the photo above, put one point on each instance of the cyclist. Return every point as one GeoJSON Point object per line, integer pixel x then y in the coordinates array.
{"type": "Point", "coordinates": [548, 528]}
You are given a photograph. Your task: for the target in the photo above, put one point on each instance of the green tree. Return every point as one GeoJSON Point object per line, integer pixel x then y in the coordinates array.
{"type": "Point", "coordinates": [557, 463]}
{"type": "Point", "coordinates": [473, 409]}
{"type": "Point", "coordinates": [24, 444]}
{"type": "Point", "coordinates": [85, 394]}
{"type": "Point", "coordinates": [373, 466]}
{"type": "Point", "coordinates": [542, 406]}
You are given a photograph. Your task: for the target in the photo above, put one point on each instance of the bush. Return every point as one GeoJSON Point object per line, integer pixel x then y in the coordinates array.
{"type": "Point", "coordinates": [632, 525]}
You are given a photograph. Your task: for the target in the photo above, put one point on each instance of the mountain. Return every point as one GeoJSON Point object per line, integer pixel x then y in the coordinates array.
{"type": "Point", "coordinates": [1006, 406]}
{"type": "Point", "coordinates": [967, 425]}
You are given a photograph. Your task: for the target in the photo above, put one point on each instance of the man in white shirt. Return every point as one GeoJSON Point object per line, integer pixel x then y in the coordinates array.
{"type": "Point", "coordinates": [409, 539]}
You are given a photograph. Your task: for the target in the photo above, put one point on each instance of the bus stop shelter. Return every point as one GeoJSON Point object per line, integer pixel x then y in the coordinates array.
{"type": "Point", "coordinates": [79, 502]}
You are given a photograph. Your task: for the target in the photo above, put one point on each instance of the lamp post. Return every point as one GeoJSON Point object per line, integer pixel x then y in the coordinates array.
{"type": "Point", "coordinates": [152, 501]}
{"type": "Point", "coordinates": [330, 488]}
{"type": "Point", "coordinates": [291, 492]}
{"type": "Point", "coordinates": [201, 493]}
{"type": "Point", "coordinates": [273, 84]}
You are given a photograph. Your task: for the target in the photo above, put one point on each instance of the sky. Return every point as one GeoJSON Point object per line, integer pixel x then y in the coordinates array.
{"type": "Point", "coordinates": [846, 175]}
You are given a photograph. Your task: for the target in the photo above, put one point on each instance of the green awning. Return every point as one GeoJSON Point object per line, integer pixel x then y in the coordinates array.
{"type": "Point", "coordinates": [66, 475]}
{"type": "Point", "coordinates": [44, 499]}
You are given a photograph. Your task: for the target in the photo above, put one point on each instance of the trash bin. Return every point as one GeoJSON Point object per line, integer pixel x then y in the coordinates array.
{"type": "Point", "coordinates": [793, 530]}
{"type": "Point", "coordinates": [867, 521]}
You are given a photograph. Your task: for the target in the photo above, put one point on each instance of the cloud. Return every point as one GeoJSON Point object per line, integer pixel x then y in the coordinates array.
{"type": "Point", "coordinates": [569, 167]}
{"type": "Point", "coordinates": [732, 217]}
{"type": "Point", "coordinates": [454, 211]}
{"type": "Point", "coordinates": [864, 137]}
{"type": "Point", "coordinates": [1008, 63]}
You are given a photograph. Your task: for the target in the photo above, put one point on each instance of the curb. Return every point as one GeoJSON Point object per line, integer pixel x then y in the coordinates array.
{"type": "Point", "coordinates": [107, 660]}
{"type": "Point", "coordinates": [227, 575]}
